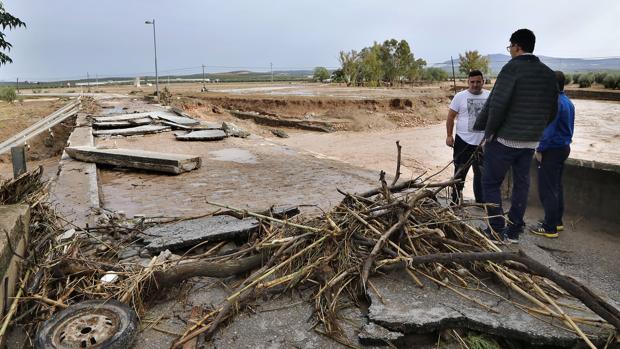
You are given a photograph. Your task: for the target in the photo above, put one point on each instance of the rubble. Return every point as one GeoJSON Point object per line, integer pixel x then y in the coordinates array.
{"type": "Point", "coordinates": [233, 130]}
{"type": "Point", "coordinates": [203, 135]}
{"type": "Point", "coordinates": [373, 334]}
{"type": "Point", "coordinates": [131, 131]}
{"type": "Point", "coordinates": [279, 133]}
{"type": "Point", "coordinates": [138, 159]}
{"type": "Point", "coordinates": [123, 123]}
{"type": "Point", "coordinates": [191, 232]}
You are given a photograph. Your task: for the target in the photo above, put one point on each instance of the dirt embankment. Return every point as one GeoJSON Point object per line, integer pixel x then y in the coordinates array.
{"type": "Point", "coordinates": [358, 114]}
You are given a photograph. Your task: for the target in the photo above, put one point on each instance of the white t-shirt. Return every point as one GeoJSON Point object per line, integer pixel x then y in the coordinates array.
{"type": "Point", "coordinates": [468, 107]}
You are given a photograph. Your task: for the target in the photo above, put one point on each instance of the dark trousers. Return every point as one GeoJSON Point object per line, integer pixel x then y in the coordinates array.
{"type": "Point", "coordinates": [463, 152]}
{"type": "Point", "coordinates": [550, 190]}
{"type": "Point", "coordinates": [498, 158]}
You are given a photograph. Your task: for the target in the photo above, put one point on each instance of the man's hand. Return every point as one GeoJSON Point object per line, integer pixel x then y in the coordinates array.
{"type": "Point", "coordinates": [450, 141]}
{"type": "Point", "coordinates": [538, 156]}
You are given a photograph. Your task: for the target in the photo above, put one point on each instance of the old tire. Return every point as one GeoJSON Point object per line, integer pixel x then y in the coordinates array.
{"type": "Point", "coordinates": [89, 324]}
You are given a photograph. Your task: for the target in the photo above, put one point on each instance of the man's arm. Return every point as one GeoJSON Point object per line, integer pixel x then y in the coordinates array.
{"type": "Point", "coordinates": [499, 101]}
{"type": "Point", "coordinates": [450, 127]}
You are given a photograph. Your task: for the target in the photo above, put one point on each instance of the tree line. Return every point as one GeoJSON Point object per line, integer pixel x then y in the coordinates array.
{"type": "Point", "coordinates": [392, 62]}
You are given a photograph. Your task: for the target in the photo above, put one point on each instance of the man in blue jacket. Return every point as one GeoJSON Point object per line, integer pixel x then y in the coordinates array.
{"type": "Point", "coordinates": [552, 152]}
{"type": "Point", "coordinates": [522, 103]}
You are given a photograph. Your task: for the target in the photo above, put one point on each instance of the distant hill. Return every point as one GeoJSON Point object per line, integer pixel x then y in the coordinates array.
{"type": "Point", "coordinates": [565, 64]}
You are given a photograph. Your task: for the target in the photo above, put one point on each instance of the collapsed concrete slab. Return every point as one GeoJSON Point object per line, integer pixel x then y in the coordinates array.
{"type": "Point", "coordinates": [406, 308]}
{"type": "Point", "coordinates": [139, 159]}
{"type": "Point", "coordinates": [123, 124]}
{"type": "Point", "coordinates": [373, 334]}
{"type": "Point", "coordinates": [75, 191]}
{"type": "Point", "coordinates": [123, 117]}
{"type": "Point", "coordinates": [203, 135]}
{"type": "Point", "coordinates": [138, 130]}
{"type": "Point", "coordinates": [191, 232]}
{"type": "Point", "coordinates": [181, 120]}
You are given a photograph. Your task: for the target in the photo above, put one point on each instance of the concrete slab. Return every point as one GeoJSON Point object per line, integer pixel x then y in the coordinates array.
{"type": "Point", "coordinates": [194, 231]}
{"type": "Point", "coordinates": [124, 117]}
{"type": "Point", "coordinates": [203, 135]}
{"type": "Point", "coordinates": [408, 309]}
{"type": "Point", "coordinates": [182, 120]}
{"type": "Point", "coordinates": [138, 159]}
{"type": "Point", "coordinates": [233, 130]}
{"type": "Point", "coordinates": [123, 124]}
{"type": "Point", "coordinates": [373, 334]}
{"type": "Point", "coordinates": [75, 191]}
{"type": "Point", "coordinates": [14, 228]}
{"type": "Point", "coordinates": [138, 130]}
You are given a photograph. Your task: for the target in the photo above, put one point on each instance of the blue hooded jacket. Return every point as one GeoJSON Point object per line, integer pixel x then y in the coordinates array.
{"type": "Point", "coordinates": [559, 133]}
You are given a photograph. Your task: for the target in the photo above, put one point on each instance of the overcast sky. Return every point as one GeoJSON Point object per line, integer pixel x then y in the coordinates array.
{"type": "Point", "coordinates": [66, 39]}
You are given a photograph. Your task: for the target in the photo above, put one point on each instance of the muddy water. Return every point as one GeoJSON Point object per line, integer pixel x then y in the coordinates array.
{"type": "Point", "coordinates": [597, 131]}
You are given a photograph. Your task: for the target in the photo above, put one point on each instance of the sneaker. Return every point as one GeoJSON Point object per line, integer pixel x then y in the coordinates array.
{"type": "Point", "coordinates": [559, 227]}
{"type": "Point", "coordinates": [541, 231]}
{"type": "Point", "coordinates": [511, 236]}
{"type": "Point", "coordinates": [498, 238]}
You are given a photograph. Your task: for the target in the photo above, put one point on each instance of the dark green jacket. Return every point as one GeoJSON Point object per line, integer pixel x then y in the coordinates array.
{"type": "Point", "coordinates": [522, 103]}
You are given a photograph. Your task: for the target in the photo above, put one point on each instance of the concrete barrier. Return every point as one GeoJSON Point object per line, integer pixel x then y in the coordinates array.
{"type": "Point", "coordinates": [14, 225]}
{"type": "Point", "coordinates": [591, 189]}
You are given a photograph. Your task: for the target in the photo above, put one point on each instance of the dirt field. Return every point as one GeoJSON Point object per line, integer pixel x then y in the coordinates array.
{"type": "Point", "coordinates": [17, 116]}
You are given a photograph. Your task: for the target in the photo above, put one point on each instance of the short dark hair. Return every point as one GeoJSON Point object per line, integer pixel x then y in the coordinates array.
{"type": "Point", "coordinates": [475, 72]}
{"type": "Point", "coordinates": [525, 39]}
{"type": "Point", "coordinates": [559, 76]}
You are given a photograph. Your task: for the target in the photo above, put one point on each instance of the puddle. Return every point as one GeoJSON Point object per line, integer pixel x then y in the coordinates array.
{"type": "Point", "coordinates": [234, 155]}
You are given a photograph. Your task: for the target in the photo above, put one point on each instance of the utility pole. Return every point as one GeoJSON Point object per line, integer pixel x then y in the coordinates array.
{"type": "Point", "coordinates": [203, 77]}
{"type": "Point", "coordinates": [453, 75]}
{"type": "Point", "coordinates": [88, 81]}
{"type": "Point", "coordinates": [17, 85]}
{"type": "Point", "coordinates": [271, 68]}
{"type": "Point", "coordinates": [96, 79]}
{"type": "Point", "coordinates": [155, 46]}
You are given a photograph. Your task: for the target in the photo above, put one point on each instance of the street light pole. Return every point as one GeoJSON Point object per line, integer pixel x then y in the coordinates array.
{"type": "Point", "coordinates": [155, 46]}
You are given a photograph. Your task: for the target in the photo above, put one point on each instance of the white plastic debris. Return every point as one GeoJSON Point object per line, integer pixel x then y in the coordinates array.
{"type": "Point", "coordinates": [66, 235]}
{"type": "Point", "coordinates": [110, 277]}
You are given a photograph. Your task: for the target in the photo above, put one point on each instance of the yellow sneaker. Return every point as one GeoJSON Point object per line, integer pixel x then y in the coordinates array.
{"type": "Point", "coordinates": [559, 228]}
{"type": "Point", "coordinates": [540, 231]}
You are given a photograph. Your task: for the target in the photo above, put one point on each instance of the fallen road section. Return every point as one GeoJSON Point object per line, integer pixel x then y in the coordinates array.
{"type": "Point", "coordinates": [188, 233]}
{"type": "Point", "coordinates": [138, 159]}
{"type": "Point", "coordinates": [203, 135]}
{"type": "Point", "coordinates": [138, 130]}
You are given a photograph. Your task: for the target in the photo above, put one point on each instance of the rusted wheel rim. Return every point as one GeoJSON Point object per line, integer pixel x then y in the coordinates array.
{"type": "Point", "coordinates": [86, 329]}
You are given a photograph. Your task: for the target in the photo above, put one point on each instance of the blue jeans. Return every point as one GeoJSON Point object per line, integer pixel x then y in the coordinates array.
{"type": "Point", "coordinates": [550, 189]}
{"type": "Point", "coordinates": [498, 158]}
{"type": "Point", "coordinates": [463, 151]}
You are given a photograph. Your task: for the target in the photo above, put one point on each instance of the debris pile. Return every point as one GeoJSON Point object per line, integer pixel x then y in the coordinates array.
{"type": "Point", "coordinates": [143, 123]}
{"type": "Point", "coordinates": [334, 257]}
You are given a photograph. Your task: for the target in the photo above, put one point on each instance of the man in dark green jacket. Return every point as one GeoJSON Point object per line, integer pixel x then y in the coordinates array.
{"type": "Point", "coordinates": [522, 103]}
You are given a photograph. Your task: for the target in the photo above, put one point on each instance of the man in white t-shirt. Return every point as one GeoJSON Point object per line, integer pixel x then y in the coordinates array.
{"type": "Point", "coordinates": [465, 107]}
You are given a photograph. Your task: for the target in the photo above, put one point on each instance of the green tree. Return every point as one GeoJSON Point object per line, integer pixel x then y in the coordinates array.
{"type": "Point", "coordinates": [389, 64]}
{"type": "Point", "coordinates": [9, 21]}
{"type": "Point", "coordinates": [349, 61]}
{"type": "Point", "coordinates": [434, 74]}
{"type": "Point", "coordinates": [473, 60]}
{"type": "Point", "coordinates": [320, 74]}
{"type": "Point", "coordinates": [372, 65]}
